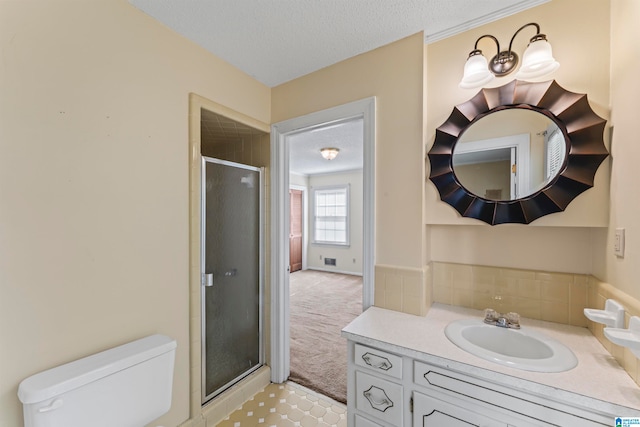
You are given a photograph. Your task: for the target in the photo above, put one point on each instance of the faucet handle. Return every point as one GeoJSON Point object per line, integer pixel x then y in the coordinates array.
{"type": "Point", "coordinates": [514, 319]}
{"type": "Point", "coordinates": [490, 315]}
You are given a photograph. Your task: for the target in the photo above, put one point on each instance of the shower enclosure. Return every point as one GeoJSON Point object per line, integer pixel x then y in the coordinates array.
{"type": "Point", "coordinates": [232, 271]}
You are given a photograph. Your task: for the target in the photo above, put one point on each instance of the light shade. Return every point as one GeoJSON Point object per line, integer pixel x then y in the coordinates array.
{"type": "Point", "coordinates": [537, 60]}
{"type": "Point", "coordinates": [476, 71]}
{"type": "Point", "coordinates": [329, 153]}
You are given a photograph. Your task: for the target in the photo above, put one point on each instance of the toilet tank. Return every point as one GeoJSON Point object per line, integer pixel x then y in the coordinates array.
{"type": "Point", "coordinates": [126, 386]}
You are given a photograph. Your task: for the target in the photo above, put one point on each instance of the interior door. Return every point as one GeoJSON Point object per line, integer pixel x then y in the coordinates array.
{"type": "Point", "coordinates": [513, 176]}
{"type": "Point", "coordinates": [295, 230]}
{"type": "Point", "coordinates": [231, 274]}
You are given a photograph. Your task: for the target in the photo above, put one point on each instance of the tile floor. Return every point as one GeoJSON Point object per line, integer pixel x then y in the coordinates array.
{"type": "Point", "coordinates": [288, 405]}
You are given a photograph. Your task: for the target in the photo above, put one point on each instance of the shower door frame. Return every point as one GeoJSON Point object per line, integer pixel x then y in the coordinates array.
{"type": "Point", "coordinates": [261, 269]}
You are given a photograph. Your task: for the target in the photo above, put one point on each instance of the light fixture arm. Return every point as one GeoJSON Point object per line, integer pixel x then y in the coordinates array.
{"type": "Point", "coordinates": [475, 46]}
{"type": "Point", "coordinates": [522, 28]}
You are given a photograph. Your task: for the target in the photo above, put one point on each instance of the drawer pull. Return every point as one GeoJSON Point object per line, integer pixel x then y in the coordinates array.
{"type": "Point", "coordinates": [377, 362]}
{"type": "Point", "coordinates": [377, 398]}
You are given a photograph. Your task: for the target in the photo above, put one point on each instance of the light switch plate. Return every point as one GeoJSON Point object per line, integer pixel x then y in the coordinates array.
{"type": "Point", "coordinates": [618, 243]}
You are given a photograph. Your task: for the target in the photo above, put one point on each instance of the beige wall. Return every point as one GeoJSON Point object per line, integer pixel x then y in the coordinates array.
{"type": "Point", "coordinates": [94, 194]}
{"type": "Point", "coordinates": [623, 273]}
{"type": "Point", "coordinates": [394, 75]}
{"type": "Point", "coordinates": [487, 176]}
{"type": "Point", "coordinates": [349, 258]}
{"type": "Point", "coordinates": [521, 246]}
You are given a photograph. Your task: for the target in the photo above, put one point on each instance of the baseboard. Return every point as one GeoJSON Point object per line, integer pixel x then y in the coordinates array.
{"type": "Point", "coordinates": [326, 270]}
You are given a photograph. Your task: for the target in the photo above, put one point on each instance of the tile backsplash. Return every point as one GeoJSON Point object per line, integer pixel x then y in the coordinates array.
{"type": "Point", "coordinates": [403, 289]}
{"type": "Point", "coordinates": [554, 297]}
{"type": "Point", "coordinates": [542, 295]}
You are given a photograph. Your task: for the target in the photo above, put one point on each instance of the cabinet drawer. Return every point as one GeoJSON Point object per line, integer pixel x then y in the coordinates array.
{"type": "Point", "coordinates": [431, 412]}
{"type": "Point", "coordinates": [537, 410]}
{"type": "Point", "coordinates": [379, 398]}
{"type": "Point", "coordinates": [378, 360]}
{"type": "Point", "coordinates": [363, 422]}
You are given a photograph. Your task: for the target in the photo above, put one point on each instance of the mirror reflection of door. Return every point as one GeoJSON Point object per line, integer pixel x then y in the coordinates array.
{"type": "Point", "coordinates": [495, 169]}
{"type": "Point", "coordinates": [295, 230]}
{"type": "Point", "coordinates": [539, 146]}
{"type": "Point", "coordinates": [490, 173]}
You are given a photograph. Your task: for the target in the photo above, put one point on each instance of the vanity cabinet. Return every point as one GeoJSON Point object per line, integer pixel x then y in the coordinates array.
{"type": "Point", "coordinates": [403, 371]}
{"type": "Point", "coordinates": [387, 389]}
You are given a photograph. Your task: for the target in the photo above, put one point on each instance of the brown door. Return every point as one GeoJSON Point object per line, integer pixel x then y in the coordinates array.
{"type": "Point", "coordinates": [295, 230]}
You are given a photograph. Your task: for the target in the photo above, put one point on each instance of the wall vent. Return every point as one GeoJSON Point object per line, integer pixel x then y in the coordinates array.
{"type": "Point", "coordinates": [330, 261]}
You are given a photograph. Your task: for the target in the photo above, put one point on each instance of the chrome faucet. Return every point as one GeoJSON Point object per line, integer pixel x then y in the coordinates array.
{"type": "Point", "coordinates": [508, 320]}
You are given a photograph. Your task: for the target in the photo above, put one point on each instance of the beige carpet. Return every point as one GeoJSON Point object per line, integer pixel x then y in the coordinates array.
{"type": "Point", "coordinates": [321, 305]}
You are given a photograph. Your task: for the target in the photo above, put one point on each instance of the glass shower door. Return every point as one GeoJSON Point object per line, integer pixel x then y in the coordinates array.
{"type": "Point", "coordinates": [231, 274]}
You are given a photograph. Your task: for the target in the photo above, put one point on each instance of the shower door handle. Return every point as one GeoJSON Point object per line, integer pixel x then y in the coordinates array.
{"type": "Point", "coordinates": [207, 279]}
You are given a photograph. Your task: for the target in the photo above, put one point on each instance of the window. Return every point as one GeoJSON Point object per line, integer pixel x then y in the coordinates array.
{"type": "Point", "coordinates": [331, 215]}
{"type": "Point", "coordinates": [555, 153]}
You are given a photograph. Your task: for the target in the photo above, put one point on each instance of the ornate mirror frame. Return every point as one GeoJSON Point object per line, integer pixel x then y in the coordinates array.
{"type": "Point", "coordinates": [583, 132]}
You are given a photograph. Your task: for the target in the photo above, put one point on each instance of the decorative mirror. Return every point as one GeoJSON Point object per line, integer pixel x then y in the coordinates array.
{"type": "Point", "coordinates": [517, 152]}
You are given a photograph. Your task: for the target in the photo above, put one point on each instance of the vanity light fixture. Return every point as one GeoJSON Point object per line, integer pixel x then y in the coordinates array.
{"type": "Point", "coordinates": [329, 153]}
{"type": "Point", "coordinates": [537, 61]}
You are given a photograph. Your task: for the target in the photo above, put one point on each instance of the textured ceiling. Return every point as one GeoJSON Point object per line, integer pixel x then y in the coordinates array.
{"type": "Point", "coordinates": [304, 148]}
{"type": "Point", "coordinates": [279, 40]}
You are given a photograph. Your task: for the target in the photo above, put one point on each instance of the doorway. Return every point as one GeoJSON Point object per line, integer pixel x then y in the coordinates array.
{"type": "Point", "coordinates": [326, 294]}
{"type": "Point", "coordinates": [218, 132]}
{"type": "Point", "coordinates": [280, 219]}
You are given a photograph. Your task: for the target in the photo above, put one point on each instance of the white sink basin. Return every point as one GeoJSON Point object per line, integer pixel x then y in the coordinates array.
{"type": "Point", "coordinates": [517, 348]}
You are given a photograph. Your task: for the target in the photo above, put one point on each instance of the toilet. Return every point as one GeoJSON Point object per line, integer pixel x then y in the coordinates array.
{"type": "Point", "coordinates": [126, 386]}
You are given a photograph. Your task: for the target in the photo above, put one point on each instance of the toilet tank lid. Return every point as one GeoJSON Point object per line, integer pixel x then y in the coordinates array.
{"type": "Point", "coordinates": [64, 378]}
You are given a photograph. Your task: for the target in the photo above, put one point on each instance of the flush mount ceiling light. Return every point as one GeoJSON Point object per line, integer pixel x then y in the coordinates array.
{"type": "Point", "coordinates": [537, 61]}
{"type": "Point", "coordinates": [329, 153]}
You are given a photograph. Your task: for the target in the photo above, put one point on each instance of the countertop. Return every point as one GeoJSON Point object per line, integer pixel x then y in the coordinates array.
{"type": "Point", "coordinates": [598, 381]}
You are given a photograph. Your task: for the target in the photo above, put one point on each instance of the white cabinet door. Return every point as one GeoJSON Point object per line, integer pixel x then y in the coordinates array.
{"type": "Point", "coordinates": [379, 398]}
{"type": "Point", "coordinates": [431, 412]}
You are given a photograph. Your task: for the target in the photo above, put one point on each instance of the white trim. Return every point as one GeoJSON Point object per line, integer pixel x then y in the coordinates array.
{"type": "Point", "coordinates": [365, 109]}
{"type": "Point", "coordinates": [473, 23]}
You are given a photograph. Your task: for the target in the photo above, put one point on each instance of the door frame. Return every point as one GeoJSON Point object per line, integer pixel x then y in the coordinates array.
{"type": "Point", "coordinates": [261, 264]}
{"type": "Point", "coordinates": [196, 104]}
{"type": "Point", "coordinates": [365, 109]}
